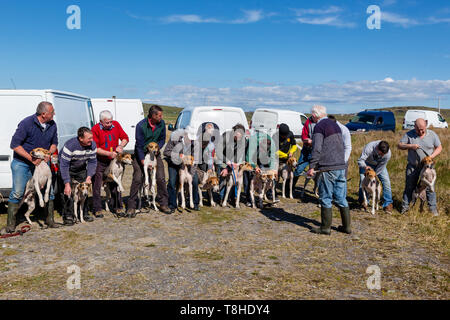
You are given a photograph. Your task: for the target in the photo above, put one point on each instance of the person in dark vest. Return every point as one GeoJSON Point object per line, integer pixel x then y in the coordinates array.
{"type": "Point", "coordinates": [151, 129]}
{"type": "Point", "coordinates": [328, 157]}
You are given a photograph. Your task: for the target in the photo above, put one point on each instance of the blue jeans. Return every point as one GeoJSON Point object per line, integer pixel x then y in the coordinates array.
{"type": "Point", "coordinates": [385, 182]}
{"type": "Point", "coordinates": [412, 178]}
{"type": "Point", "coordinates": [303, 162]}
{"type": "Point", "coordinates": [333, 187]}
{"type": "Point", "coordinates": [21, 173]}
{"type": "Point", "coordinates": [172, 187]}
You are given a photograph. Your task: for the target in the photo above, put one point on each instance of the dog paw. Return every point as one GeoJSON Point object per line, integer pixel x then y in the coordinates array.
{"type": "Point", "coordinates": [46, 198]}
{"type": "Point", "coordinates": [213, 204]}
{"type": "Point", "coordinates": [41, 203]}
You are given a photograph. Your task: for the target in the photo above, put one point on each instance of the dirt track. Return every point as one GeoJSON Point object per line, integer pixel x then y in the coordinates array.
{"type": "Point", "coordinates": [224, 253]}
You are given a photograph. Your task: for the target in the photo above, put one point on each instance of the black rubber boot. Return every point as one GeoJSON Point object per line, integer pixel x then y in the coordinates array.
{"type": "Point", "coordinates": [12, 211]}
{"type": "Point", "coordinates": [327, 217]}
{"type": "Point", "coordinates": [346, 222]}
{"type": "Point", "coordinates": [50, 222]}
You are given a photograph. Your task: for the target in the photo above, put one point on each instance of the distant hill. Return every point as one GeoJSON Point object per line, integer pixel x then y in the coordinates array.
{"type": "Point", "coordinates": [171, 113]}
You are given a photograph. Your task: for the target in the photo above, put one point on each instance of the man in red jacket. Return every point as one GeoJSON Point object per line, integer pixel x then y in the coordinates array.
{"type": "Point", "coordinates": [107, 134]}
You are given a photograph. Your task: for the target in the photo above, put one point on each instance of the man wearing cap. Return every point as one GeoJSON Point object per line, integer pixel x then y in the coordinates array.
{"type": "Point", "coordinates": [420, 143]}
{"type": "Point", "coordinates": [151, 129]}
{"type": "Point", "coordinates": [181, 143]}
{"type": "Point", "coordinates": [286, 145]}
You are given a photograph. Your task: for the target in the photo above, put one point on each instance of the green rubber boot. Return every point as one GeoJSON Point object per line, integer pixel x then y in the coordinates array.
{"type": "Point", "coordinates": [327, 217]}
{"type": "Point", "coordinates": [12, 211]}
{"type": "Point", "coordinates": [346, 221]}
{"type": "Point", "coordinates": [50, 222]}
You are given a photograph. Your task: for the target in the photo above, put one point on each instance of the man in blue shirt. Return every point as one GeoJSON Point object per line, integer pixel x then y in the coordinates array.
{"type": "Point", "coordinates": [36, 131]}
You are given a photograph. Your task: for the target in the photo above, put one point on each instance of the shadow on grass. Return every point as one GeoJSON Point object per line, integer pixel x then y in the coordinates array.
{"type": "Point", "coordinates": [279, 214]}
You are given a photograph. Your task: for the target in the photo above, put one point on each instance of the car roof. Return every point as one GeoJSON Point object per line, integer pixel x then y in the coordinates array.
{"type": "Point", "coordinates": [276, 110]}
{"type": "Point", "coordinates": [212, 107]}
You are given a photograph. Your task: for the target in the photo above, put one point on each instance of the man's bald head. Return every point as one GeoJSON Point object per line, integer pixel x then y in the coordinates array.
{"type": "Point", "coordinates": [421, 126]}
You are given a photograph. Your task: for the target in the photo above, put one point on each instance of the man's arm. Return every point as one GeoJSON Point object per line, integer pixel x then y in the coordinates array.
{"type": "Point", "coordinates": [162, 137]}
{"type": "Point", "coordinates": [139, 144]}
{"type": "Point", "coordinates": [123, 137]}
{"type": "Point", "coordinates": [64, 164]}
{"type": "Point", "coordinates": [317, 149]}
{"type": "Point", "coordinates": [92, 163]}
{"type": "Point", "coordinates": [436, 152]}
{"type": "Point", "coordinates": [364, 155]}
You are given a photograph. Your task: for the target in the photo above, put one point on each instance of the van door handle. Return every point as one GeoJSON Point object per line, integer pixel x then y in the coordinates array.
{"type": "Point", "coordinates": [133, 126]}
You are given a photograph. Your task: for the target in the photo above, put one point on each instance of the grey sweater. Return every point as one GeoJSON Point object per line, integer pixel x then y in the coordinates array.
{"type": "Point", "coordinates": [328, 147]}
{"type": "Point", "coordinates": [370, 157]}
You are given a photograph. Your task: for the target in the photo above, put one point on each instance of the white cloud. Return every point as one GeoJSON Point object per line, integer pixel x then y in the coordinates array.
{"type": "Point", "coordinates": [352, 93]}
{"type": "Point", "coordinates": [398, 19]}
{"type": "Point", "coordinates": [329, 16]}
{"type": "Point", "coordinates": [250, 16]}
{"type": "Point", "coordinates": [188, 18]}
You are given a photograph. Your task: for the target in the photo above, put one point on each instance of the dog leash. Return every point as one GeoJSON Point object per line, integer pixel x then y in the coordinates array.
{"type": "Point", "coordinates": [21, 232]}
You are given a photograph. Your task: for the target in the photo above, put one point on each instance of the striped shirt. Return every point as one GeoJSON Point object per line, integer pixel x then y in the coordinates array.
{"type": "Point", "coordinates": [75, 158]}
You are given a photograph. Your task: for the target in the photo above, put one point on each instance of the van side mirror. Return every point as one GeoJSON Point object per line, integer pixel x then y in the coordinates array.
{"type": "Point", "coordinates": [170, 127]}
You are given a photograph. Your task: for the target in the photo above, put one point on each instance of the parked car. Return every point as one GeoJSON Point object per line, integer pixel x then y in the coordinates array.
{"type": "Point", "coordinates": [128, 112]}
{"type": "Point", "coordinates": [224, 117]}
{"type": "Point", "coordinates": [72, 111]}
{"type": "Point", "coordinates": [270, 119]}
{"type": "Point", "coordinates": [434, 119]}
{"type": "Point", "coordinates": [370, 120]}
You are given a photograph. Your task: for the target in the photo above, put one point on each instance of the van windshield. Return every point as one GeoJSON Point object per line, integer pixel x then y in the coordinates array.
{"type": "Point", "coordinates": [363, 118]}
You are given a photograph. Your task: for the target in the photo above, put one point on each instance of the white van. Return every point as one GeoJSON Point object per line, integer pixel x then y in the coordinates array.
{"type": "Point", "coordinates": [72, 111]}
{"type": "Point", "coordinates": [128, 112]}
{"type": "Point", "coordinates": [434, 119]}
{"type": "Point", "coordinates": [224, 117]}
{"type": "Point", "coordinates": [270, 119]}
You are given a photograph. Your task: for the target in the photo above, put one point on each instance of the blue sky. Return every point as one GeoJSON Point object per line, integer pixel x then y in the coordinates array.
{"type": "Point", "coordinates": [284, 54]}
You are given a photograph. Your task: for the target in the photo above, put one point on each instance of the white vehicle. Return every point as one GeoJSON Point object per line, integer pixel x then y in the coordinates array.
{"type": "Point", "coordinates": [434, 119]}
{"type": "Point", "coordinates": [224, 117]}
{"type": "Point", "coordinates": [72, 111]}
{"type": "Point", "coordinates": [270, 119]}
{"type": "Point", "coordinates": [128, 112]}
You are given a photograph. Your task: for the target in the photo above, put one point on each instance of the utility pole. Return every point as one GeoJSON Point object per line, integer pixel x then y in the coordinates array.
{"type": "Point", "coordinates": [439, 104]}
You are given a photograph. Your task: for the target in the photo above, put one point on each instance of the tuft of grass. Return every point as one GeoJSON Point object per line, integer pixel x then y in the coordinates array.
{"type": "Point", "coordinates": [207, 255]}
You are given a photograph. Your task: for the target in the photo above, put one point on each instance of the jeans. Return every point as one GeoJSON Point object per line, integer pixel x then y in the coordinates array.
{"type": "Point", "coordinates": [333, 186]}
{"type": "Point", "coordinates": [385, 182]}
{"type": "Point", "coordinates": [172, 186]}
{"type": "Point", "coordinates": [303, 162]}
{"type": "Point", "coordinates": [21, 174]}
{"type": "Point", "coordinates": [412, 178]}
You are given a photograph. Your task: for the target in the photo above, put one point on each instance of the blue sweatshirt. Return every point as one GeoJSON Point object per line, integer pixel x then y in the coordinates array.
{"type": "Point", "coordinates": [31, 135]}
{"type": "Point", "coordinates": [74, 157]}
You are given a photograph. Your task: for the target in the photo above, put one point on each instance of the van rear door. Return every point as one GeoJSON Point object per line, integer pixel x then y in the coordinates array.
{"type": "Point", "coordinates": [264, 120]}
{"type": "Point", "coordinates": [129, 113]}
{"type": "Point", "coordinates": [15, 108]}
{"type": "Point", "coordinates": [71, 113]}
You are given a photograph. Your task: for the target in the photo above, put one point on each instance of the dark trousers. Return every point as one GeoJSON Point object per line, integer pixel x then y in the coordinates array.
{"type": "Point", "coordinates": [138, 179]}
{"type": "Point", "coordinates": [68, 201]}
{"type": "Point", "coordinates": [116, 198]}
{"type": "Point", "coordinates": [173, 183]}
